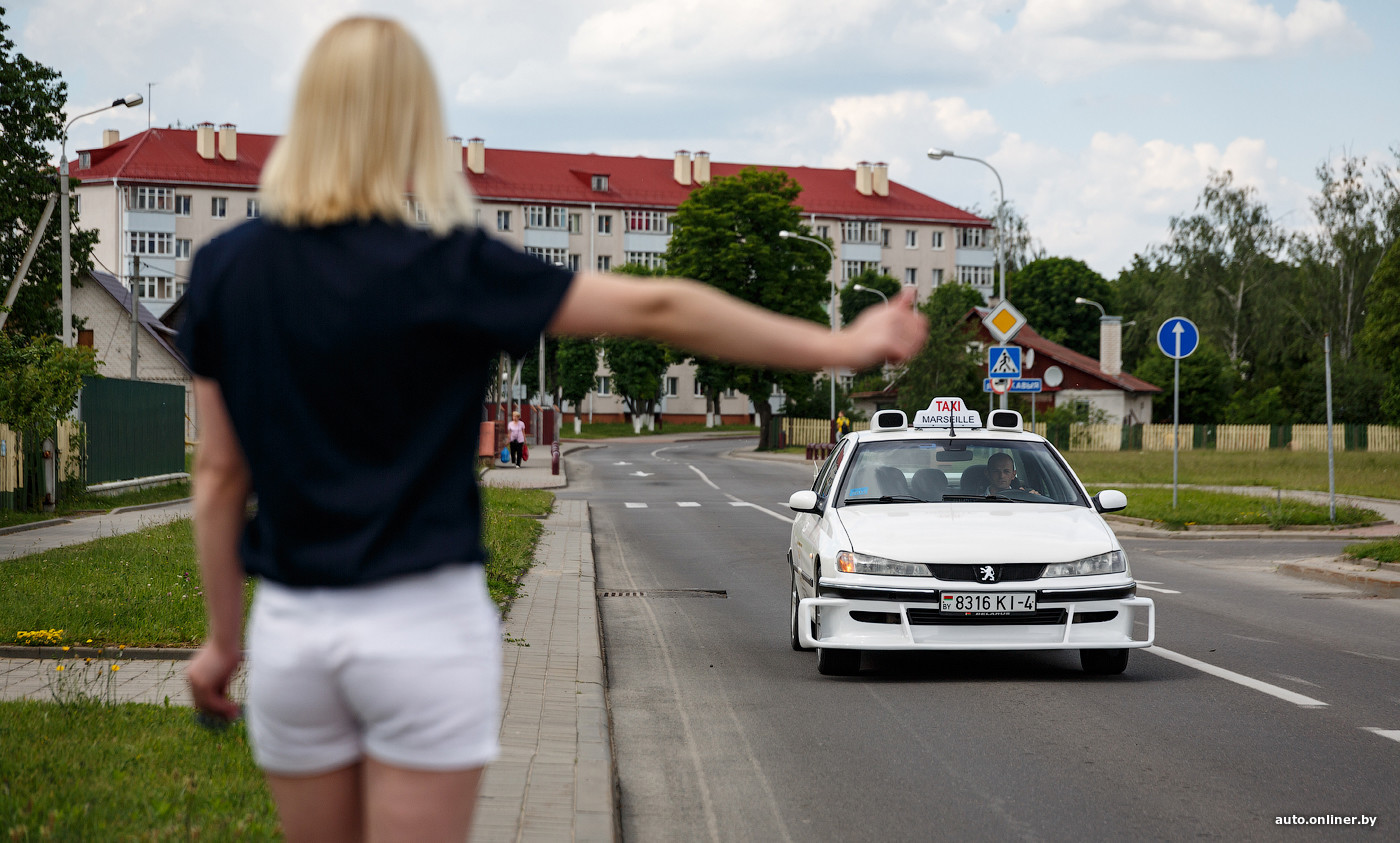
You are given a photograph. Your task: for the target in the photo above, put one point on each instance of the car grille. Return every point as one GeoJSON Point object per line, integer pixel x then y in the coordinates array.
{"type": "Point", "coordinates": [1015, 572]}
{"type": "Point", "coordinates": [933, 617]}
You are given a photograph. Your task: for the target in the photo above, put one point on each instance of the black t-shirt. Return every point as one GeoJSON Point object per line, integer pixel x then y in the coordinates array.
{"type": "Point", "coordinates": [353, 361]}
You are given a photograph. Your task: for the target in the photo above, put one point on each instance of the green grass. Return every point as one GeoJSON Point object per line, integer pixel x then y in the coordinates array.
{"type": "Point", "coordinates": [1373, 474]}
{"type": "Point", "coordinates": [1218, 508]}
{"type": "Point", "coordinates": [86, 503]}
{"type": "Point", "coordinates": [1385, 550]}
{"type": "Point", "coordinates": [90, 771]}
{"type": "Point", "coordinates": [611, 430]}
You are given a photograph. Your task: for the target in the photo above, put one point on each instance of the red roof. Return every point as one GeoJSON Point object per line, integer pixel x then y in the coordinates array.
{"type": "Point", "coordinates": [1080, 370]}
{"type": "Point", "coordinates": [169, 155]}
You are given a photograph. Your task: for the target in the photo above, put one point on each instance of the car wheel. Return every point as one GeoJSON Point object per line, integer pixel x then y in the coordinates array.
{"type": "Point", "coordinates": [1104, 662]}
{"type": "Point", "coordinates": [831, 662]}
{"type": "Point", "coordinates": [793, 597]}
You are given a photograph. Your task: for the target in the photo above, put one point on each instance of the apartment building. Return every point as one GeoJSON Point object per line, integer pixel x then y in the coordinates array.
{"type": "Point", "coordinates": [156, 196]}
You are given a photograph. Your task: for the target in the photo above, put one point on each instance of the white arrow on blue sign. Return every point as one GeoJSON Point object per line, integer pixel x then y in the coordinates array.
{"type": "Point", "coordinates": [1178, 337]}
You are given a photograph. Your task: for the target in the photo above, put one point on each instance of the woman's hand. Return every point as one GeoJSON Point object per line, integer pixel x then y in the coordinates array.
{"type": "Point", "coordinates": [210, 672]}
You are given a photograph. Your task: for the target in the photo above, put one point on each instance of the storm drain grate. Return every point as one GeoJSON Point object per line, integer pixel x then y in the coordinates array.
{"type": "Point", "coordinates": [666, 592]}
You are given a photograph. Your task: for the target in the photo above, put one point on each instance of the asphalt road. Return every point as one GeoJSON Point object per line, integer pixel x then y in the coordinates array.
{"type": "Point", "coordinates": [1266, 696]}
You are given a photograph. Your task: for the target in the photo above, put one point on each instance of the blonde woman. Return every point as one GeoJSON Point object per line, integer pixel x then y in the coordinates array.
{"type": "Point", "coordinates": [318, 336]}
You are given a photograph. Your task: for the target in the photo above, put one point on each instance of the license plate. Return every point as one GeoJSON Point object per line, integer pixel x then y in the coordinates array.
{"type": "Point", "coordinates": [982, 603]}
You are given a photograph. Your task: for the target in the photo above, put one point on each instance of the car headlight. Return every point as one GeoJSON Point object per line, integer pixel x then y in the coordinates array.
{"type": "Point", "coordinates": [860, 563]}
{"type": "Point", "coordinates": [1113, 562]}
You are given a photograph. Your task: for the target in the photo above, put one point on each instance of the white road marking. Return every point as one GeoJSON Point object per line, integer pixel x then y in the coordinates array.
{"type": "Point", "coordinates": [1247, 638]}
{"type": "Point", "coordinates": [622, 463]}
{"type": "Point", "coordinates": [1296, 679]}
{"type": "Point", "coordinates": [707, 480]}
{"type": "Point", "coordinates": [1158, 590]}
{"type": "Point", "coordinates": [668, 448]}
{"type": "Point", "coordinates": [1393, 734]}
{"type": "Point", "coordinates": [686, 503]}
{"type": "Point", "coordinates": [641, 474]}
{"type": "Point", "coordinates": [1238, 678]}
{"type": "Point", "coordinates": [635, 505]}
{"type": "Point", "coordinates": [733, 501]}
{"type": "Point", "coordinates": [1371, 656]}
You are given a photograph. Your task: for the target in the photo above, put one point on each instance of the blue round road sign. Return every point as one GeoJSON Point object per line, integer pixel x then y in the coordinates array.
{"type": "Point", "coordinates": [1178, 337]}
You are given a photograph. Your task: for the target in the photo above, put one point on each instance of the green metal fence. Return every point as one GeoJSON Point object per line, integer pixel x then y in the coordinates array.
{"type": "Point", "coordinates": [134, 428]}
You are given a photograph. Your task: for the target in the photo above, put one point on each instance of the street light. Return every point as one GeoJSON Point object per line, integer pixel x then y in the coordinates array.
{"type": "Point", "coordinates": [938, 155]}
{"type": "Point", "coordinates": [1081, 300]}
{"type": "Point", "coordinates": [130, 101]}
{"type": "Point", "coordinates": [831, 310]}
{"type": "Point", "coordinates": [864, 289]}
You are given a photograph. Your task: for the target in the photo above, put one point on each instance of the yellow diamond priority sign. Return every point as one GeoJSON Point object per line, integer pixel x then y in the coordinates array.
{"type": "Point", "coordinates": [1004, 321]}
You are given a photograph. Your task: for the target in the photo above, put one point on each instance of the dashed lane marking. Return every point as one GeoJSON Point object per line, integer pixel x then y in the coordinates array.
{"type": "Point", "coordinates": [635, 505]}
{"type": "Point", "coordinates": [1142, 584]}
{"type": "Point", "coordinates": [733, 501]}
{"type": "Point", "coordinates": [686, 503]}
{"type": "Point", "coordinates": [1238, 678]}
{"type": "Point", "coordinates": [1393, 734]}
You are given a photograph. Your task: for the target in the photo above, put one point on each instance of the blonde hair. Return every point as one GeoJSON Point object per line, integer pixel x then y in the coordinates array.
{"type": "Point", "coordinates": [366, 128]}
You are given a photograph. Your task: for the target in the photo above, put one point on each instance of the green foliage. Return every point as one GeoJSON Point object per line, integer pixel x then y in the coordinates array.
{"type": "Point", "coordinates": [637, 366]}
{"type": "Point", "coordinates": [530, 369]}
{"type": "Point", "coordinates": [1196, 506]}
{"type": "Point", "coordinates": [31, 114]}
{"type": "Point", "coordinates": [948, 364]}
{"type": "Point", "coordinates": [1385, 550]}
{"type": "Point", "coordinates": [1207, 382]}
{"type": "Point", "coordinates": [854, 302]}
{"type": "Point", "coordinates": [40, 380]}
{"type": "Point", "coordinates": [815, 401]}
{"type": "Point", "coordinates": [1045, 290]}
{"type": "Point", "coordinates": [577, 361]}
{"type": "Point", "coordinates": [1380, 337]}
{"type": "Point", "coordinates": [726, 235]}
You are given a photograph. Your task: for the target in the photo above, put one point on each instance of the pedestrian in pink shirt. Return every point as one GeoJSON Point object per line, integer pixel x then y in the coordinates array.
{"type": "Point", "coordinates": [516, 429]}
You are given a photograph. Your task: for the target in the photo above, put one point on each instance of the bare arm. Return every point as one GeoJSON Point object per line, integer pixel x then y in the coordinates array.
{"type": "Point", "coordinates": [704, 320]}
{"type": "Point", "coordinates": [221, 486]}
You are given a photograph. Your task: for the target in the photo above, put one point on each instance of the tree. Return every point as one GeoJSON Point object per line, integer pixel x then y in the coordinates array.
{"type": "Point", "coordinates": [40, 381]}
{"type": "Point", "coordinates": [948, 364]}
{"type": "Point", "coordinates": [577, 365]}
{"type": "Point", "coordinates": [1379, 338]}
{"type": "Point", "coordinates": [1045, 291]}
{"type": "Point", "coordinates": [31, 114]}
{"type": "Point", "coordinates": [726, 235]}
{"type": "Point", "coordinates": [1208, 380]}
{"type": "Point", "coordinates": [637, 366]}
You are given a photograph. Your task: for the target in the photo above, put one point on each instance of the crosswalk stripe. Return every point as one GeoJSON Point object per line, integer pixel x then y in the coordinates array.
{"type": "Point", "coordinates": [635, 505]}
{"type": "Point", "coordinates": [686, 503]}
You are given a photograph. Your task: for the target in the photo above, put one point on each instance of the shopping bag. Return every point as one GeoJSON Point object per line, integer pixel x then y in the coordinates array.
{"type": "Point", "coordinates": [524, 452]}
{"type": "Point", "coordinates": [505, 454]}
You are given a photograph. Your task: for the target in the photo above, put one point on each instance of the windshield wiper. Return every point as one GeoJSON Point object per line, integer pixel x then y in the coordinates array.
{"type": "Point", "coordinates": [976, 498]}
{"type": "Point", "coordinates": [886, 499]}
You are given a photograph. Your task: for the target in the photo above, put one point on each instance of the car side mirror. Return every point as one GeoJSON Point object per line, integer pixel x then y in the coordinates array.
{"type": "Point", "coordinates": [1110, 500]}
{"type": "Point", "coordinates": [803, 501]}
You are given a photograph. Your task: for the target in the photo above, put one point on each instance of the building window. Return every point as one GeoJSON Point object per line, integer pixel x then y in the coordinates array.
{"type": "Point", "coordinates": [503, 220]}
{"type": "Point", "coordinates": [822, 232]}
{"type": "Point", "coordinates": [847, 382]}
{"type": "Point", "coordinates": [600, 182]}
{"type": "Point", "coordinates": [699, 389]}
{"type": "Point", "coordinates": [156, 243]}
{"type": "Point", "coordinates": [84, 160]}
{"type": "Point", "coordinates": [604, 263]}
{"type": "Point", "coordinates": [885, 237]}
{"type": "Point", "coordinates": [648, 222]}
{"type": "Point", "coordinates": [938, 278]}
{"type": "Point", "coordinates": [574, 262]}
{"type": "Point", "coordinates": [911, 239]}
{"type": "Point", "coordinates": [911, 277]}
{"type": "Point", "coordinates": [153, 199]}
{"type": "Point", "coordinates": [651, 260]}
{"type": "Point", "coordinates": [973, 238]}
{"type": "Point", "coordinates": [543, 216]}
{"type": "Point", "coordinates": [179, 287]}
{"type": "Point", "coordinates": [935, 240]}
{"type": "Point", "coordinates": [604, 385]}
{"type": "Point", "coordinates": [605, 223]}
{"type": "Point", "coordinates": [255, 209]}
{"type": "Point", "coordinates": [672, 388]}
{"type": "Point", "coordinates": [146, 287]}
{"type": "Point", "coordinates": [218, 207]}
{"type": "Point", "coordinates": [863, 231]}
{"type": "Point", "coordinates": [575, 223]}
{"type": "Point", "coordinates": [182, 205]}
{"type": "Point", "coordinates": [977, 276]}
{"type": "Point", "coordinates": [554, 257]}
{"type": "Point", "coordinates": [182, 249]}
{"type": "Point", "coordinates": [850, 269]}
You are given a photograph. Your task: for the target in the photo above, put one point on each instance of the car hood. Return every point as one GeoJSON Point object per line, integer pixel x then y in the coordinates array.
{"type": "Point", "coordinates": [996, 533]}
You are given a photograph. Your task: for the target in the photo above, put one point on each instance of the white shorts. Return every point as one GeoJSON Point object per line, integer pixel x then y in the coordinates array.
{"type": "Point", "coordinates": [407, 672]}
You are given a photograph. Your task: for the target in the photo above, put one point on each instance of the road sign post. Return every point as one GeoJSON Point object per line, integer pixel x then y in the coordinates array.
{"type": "Point", "coordinates": [1177, 338]}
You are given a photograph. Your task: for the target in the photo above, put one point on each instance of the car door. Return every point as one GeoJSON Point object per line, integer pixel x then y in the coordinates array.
{"type": "Point", "coordinates": [807, 526]}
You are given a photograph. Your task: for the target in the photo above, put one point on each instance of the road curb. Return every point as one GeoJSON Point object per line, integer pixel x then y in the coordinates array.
{"type": "Point", "coordinates": [10, 651]}
{"type": "Point", "coordinates": [1379, 581]}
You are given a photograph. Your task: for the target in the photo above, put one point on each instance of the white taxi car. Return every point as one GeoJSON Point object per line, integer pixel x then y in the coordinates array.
{"type": "Point", "coordinates": [946, 534]}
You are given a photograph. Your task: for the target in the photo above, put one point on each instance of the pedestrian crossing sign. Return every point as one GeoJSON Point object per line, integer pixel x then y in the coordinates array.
{"type": "Point", "coordinates": [1004, 361]}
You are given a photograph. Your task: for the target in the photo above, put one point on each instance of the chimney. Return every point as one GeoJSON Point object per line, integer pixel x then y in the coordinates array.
{"type": "Point", "coordinates": [1111, 345]}
{"type": "Point", "coordinates": [454, 154]}
{"type": "Point", "coordinates": [682, 168]}
{"type": "Point", "coordinates": [228, 142]}
{"type": "Point", "coordinates": [110, 136]}
{"type": "Point", "coordinates": [702, 168]}
{"type": "Point", "coordinates": [476, 156]}
{"type": "Point", "coordinates": [204, 140]}
{"type": "Point", "coordinates": [863, 178]}
{"type": "Point", "coordinates": [881, 177]}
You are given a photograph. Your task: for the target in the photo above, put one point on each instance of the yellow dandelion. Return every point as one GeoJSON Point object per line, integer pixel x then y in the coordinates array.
{"type": "Point", "coordinates": [89, 641]}
{"type": "Point", "coordinates": [65, 648]}
{"type": "Point", "coordinates": [116, 667]}
{"type": "Point", "coordinates": [59, 668]}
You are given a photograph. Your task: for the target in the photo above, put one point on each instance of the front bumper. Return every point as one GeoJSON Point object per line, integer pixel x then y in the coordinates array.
{"type": "Point", "coordinates": [1088, 624]}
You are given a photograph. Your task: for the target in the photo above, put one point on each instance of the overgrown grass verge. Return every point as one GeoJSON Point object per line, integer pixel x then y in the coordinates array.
{"type": "Point", "coordinates": [1196, 507]}
{"type": "Point", "coordinates": [86, 503]}
{"type": "Point", "coordinates": [611, 430]}
{"type": "Point", "coordinates": [1385, 550]}
{"type": "Point", "coordinates": [89, 771]}
{"type": "Point", "coordinates": [1371, 473]}
{"type": "Point", "coordinates": [510, 540]}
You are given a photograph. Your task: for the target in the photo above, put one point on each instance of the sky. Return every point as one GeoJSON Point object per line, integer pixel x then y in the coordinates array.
{"type": "Point", "coordinates": [1104, 118]}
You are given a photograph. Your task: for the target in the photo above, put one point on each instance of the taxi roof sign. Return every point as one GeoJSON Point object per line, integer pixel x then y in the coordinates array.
{"type": "Point", "coordinates": [947, 412]}
{"type": "Point", "coordinates": [1004, 321]}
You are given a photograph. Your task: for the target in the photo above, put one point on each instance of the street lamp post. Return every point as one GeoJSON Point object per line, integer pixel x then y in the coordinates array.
{"type": "Point", "coordinates": [938, 154]}
{"type": "Point", "coordinates": [831, 309]}
{"type": "Point", "coordinates": [65, 256]}
{"type": "Point", "coordinates": [864, 289]}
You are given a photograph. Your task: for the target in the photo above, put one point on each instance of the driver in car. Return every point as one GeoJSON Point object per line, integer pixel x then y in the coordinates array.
{"type": "Point", "coordinates": [1001, 474]}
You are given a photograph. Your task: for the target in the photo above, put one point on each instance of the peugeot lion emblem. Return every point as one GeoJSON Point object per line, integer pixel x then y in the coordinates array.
{"type": "Point", "coordinates": [986, 573]}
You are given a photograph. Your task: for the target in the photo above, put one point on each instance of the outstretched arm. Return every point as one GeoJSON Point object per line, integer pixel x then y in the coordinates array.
{"type": "Point", "coordinates": [704, 320]}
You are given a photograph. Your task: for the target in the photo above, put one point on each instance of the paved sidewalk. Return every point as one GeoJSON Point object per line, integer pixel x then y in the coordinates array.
{"type": "Point", "coordinates": [554, 778]}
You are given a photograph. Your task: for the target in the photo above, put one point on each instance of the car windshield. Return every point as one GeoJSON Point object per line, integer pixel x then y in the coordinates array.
{"type": "Point", "coordinates": [947, 470]}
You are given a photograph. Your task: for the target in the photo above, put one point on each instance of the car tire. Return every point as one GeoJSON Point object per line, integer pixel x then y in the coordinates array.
{"type": "Point", "coordinates": [793, 597]}
{"type": "Point", "coordinates": [1104, 662]}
